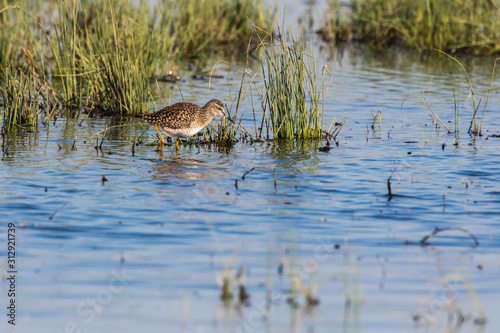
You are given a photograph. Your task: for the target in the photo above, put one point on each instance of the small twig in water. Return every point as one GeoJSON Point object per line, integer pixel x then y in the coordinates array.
{"type": "Point", "coordinates": [73, 147]}
{"type": "Point", "coordinates": [336, 132]}
{"type": "Point", "coordinates": [275, 180]}
{"type": "Point", "coordinates": [103, 179]}
{"type": "Point", "coordinates": [404, 102]}
{"type": "Point", "coordinates": [246, 173]}
{"type": "Point", "coordinates": [425, 140]}
{"type": "Point", "coordinates": [474, 121]}
{"type": "Point", "coordinates": [424, 101]}
{"type": "Point", "coordinates": [424, 240]}
{"type": "Point", "coordinates": [389, 185]}
{"type": "Point", "coordinates": [310, 299]}
{"type": "Point", "coordinates": [236, 183]}
{"type": "Point", "coordinates": [3, 142]}
{"type": "Point", "coordinates": [379, 116]}
{"type": "Point", "coordinates": [133, 145]}
{"type": "Point", "coordinates": [105, 130]}
{"type": "Point", "coordinates": [57, 210]}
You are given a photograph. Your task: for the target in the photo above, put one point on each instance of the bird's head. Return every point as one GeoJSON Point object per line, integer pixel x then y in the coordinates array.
{"type": "Point", "coordinates": [216, 107]}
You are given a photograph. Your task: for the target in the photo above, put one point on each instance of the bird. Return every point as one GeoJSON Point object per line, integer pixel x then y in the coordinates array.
{"type": "Point", "coordinates": [183, 119]}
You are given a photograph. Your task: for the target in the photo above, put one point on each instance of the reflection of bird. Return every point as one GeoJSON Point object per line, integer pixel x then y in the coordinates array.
{"type": "Point", "coordinates": [182, 120]}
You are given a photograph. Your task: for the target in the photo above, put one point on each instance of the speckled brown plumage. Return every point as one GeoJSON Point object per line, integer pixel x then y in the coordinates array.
{"type": "Point", "coordinates": [182, 120]}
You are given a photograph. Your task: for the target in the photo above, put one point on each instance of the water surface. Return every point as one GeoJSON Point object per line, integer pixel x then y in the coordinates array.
{"type": "Point", "coordinates": [146, 250]}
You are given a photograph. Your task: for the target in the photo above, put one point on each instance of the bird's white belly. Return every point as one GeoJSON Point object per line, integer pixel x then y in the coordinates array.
{"type": "Point", "coordinates": [180, 133]}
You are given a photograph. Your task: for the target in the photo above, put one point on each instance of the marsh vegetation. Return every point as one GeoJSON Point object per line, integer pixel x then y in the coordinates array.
{"type": "Point", "coordinates": [468, 26]}
{"type": "Point", "coordinates": [279, 210]}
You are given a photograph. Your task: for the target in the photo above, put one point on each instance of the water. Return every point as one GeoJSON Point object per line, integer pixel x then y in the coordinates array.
{"type": "Point", "coordinates": [146, 250]}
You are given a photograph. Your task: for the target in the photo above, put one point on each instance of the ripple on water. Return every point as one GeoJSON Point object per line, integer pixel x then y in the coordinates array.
{"type": "Point", "coordinates": [173, 224]}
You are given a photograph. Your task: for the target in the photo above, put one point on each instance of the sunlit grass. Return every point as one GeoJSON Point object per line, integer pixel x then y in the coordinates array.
{"type": "Point", "coordinates": [101, 53]}
{"type": "Point", "coordinates": [293, 97]}
{"type": "Point", "coordinates": [468, 25]}
{"type": "Point", "coordinates": [476, 123]}
{"type": "Point", "coordinates": [24, 97]}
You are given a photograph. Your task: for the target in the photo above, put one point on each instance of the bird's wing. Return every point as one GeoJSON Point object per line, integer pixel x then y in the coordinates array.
{"type": "Point", "coordinates": [175, 116]}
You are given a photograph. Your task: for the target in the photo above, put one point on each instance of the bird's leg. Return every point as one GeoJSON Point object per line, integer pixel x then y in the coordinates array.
{"type": "Point", "coordinates": [160, 147]}
{"type": "Point", "coordinates": [177, 144]}
{"type": "Point", "coordinates": [159, 134]}
{"type": "Point", "coordinates": [162, 143]}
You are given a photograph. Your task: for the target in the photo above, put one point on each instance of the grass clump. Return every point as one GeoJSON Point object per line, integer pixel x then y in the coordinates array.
{"type": "Point", "coordinates": [476, 123]}
{"type": "Point", "coordinates": [293, 98]}
{"type": "Point", "coordinates": [115, 66]}
{"type": "Point", "coordinates": [66, 59]}
{"type": "Point", "coordinates": [24, 96]}
{"type": "Point", "coordinates": [102, 53]}
{"type": "Point", "coordinates": [16, 31]}
{"type": "Point", "coordinates": [208, 24]}
{"type": "Point", "coordinates": [471, 26]}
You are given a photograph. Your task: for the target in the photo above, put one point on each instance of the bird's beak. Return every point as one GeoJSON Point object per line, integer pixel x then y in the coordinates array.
{"type": "Point", "coordinates": [224, 114]}
{"type": "Point", "coordinates": [228, 118]}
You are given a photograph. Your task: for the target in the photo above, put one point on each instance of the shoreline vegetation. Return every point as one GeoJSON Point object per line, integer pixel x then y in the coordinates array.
{"type": "Point", "coordinates": [100, 57]}
{"type": "Point", "coordinates": [467, 26]}
{"type": "Point", "coordinates": [102, 54]}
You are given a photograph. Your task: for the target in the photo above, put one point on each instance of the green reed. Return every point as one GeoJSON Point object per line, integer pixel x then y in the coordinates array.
{"type": "Point", "coordinates": [206, 24]}
{"type": "Point", "coordinates": [17, 31]}
{"type": "Point", "coordinates": [103, 52]}
{"type": "Point", "coordinates": [468, 25]}
{"type": "Point", "coordinates": [56, 45]}
{"type": "Point", "coordinates": [67, 44]}
{"type": "Point", "coordinates": [117, 75]}
{"type": "Point", "coordinates": [170, 30]}
{"type": "Point", "coordinates": [11, 36]}
{"type": "Point", "coordinates": [24, 97]}
{"type": "Point", "coordinates": [476, 125]}
{"type": "Point", "coordinates": [293, 98]}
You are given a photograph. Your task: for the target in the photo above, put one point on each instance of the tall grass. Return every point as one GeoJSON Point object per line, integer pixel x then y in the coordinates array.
{"type": "Point", "coordinates": [103, 52]}
{"type": "Point", "coordinates": [11, 37]}
{"type": "Point", "coordinates": [66, 44]}
{"type": "Point", "coordinates": [17, 31]}
{"type": "Point", "coordinates": [293, 98]}
{"type": "Point", "coordinates": [170, 30]}
{"type": "Point", "coordinates": [114, 67]}
{"type": "Point", "coordinates": [24, 96]}
{"type": "Point", "coordinates": [471, 26]}
{"type": "Point", "coordinates": [205, 24]}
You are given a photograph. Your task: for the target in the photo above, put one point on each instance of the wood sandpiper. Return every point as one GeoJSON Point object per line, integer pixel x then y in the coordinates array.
{"type": "Point", "coordinates": [182, 120]}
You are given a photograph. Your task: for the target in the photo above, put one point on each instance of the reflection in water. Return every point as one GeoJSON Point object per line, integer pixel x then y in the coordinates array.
{"type": "Point", "coordinates": [178, 169]}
